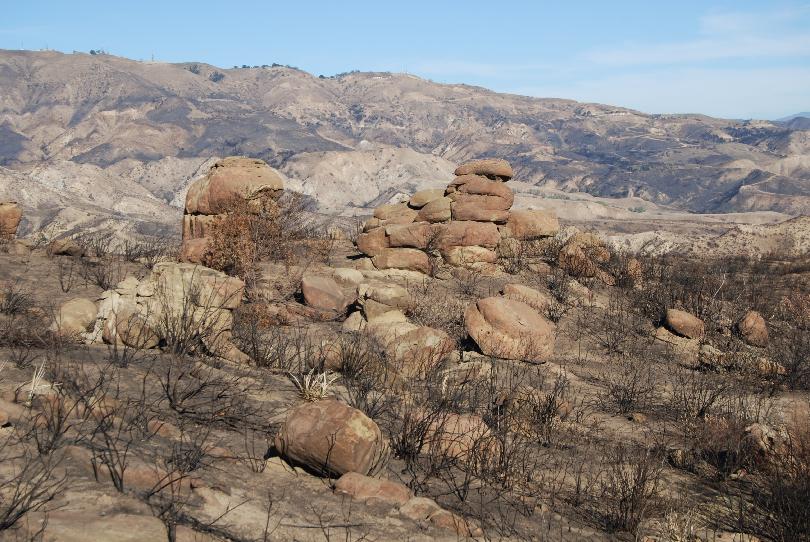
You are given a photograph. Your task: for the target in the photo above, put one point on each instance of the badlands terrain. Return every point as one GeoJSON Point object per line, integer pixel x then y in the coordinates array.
{"type": "Point", "coordinates": [97, 141]}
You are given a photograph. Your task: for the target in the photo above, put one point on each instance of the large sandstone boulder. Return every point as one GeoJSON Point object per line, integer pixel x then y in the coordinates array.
{"type": "Point", "coordinates": [468, 233]}
{"type": "Point", "coordinates": [333, 438]}
{"type": "Point", "coordinates": [194, 250]}
{"type": "Point", "coordinates": [75, 317]}
{"type": "Point", "coordinates": [423, 197]}
{"type": "Point", "coordinates": [372, 242]}
{"type": "Point", "coordinates": [532, 224]}
{"type": "Point", "coordinates": [753, 329]}
{"type": "Point", "coordinates": [684, 324]}
{"type": "Point", "coordinates": [416, 235]}
{"type": "Point", "coordinates": [395, 213]}
{"type": "Point", "coordinates": [489, 167]}
{"type": "Point", "coordinates": [409, 259]}
{"type": "Point", "coordinates": [10, 216]}
{"type": "Point", "coordinates": [378, 299]}
{"type": "Point", "coordinates": [324, 293]}
{"type": "Point", "coordinates": [470, 210]}
{"type": "Point", "coordinates": [229, 179]}
{"type": "Point", "coordinates": [437, 210]}
{"type": "Point", "coordinates": [510, 329]}
{"type": "Point", "coordinates": [468, 256]}
{"type": "Point", "coordinates": [481, 191]}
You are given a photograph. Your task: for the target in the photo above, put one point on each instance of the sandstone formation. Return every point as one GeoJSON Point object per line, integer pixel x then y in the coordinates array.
{"type": "Point", "coordinates": [10, 216]}
{"type": "Point", "coordinates": [176, 299]}
{"type": "Point", "coordinates": [510, 329]}
{"type": "Point", "coordinates": [229, 181]}
{"type": "Point", "coordinates": [462, 225]}
{"type": "Point", "coordinates": [364, 488]}
{"type": "Point", "coordinates": [333, 438]}
{"type": "Point", "coordinates": [324, 293]}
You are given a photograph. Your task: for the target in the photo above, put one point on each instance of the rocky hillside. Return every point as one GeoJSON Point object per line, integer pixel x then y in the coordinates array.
{"type": "Point", "coordinates": [96, 126]}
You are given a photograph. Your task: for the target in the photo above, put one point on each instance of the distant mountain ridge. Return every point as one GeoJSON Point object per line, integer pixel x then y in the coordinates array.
{"type": "Point", "coordinates": [85, 124]}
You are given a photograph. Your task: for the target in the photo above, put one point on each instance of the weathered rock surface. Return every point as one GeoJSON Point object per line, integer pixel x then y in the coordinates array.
{"type": "Point", "coordinates": [331, 437]}
{"type": "Point", "coordinates": [231, 178]}
{"type": "Point", "coordinates": [75, 317]}
{"type": "Point", "coordinates": [539, 301]}
{"type": "Point", "coordinates": [364, 488]}
{"type": "Point", "coordinates": [324, 293]}
{"type": "Point", "coordinates": [402, 258]}
{"type": "Point", "coordinates": [423, 197]}
{"type": "Point", "coordinates": [527, 225]}
{"type": "Point", "coordinates": [437, 210]}
{"type": "Point", "coordinates": [494, 167]}
{"type": "Point", "coordinates": [510, 329]}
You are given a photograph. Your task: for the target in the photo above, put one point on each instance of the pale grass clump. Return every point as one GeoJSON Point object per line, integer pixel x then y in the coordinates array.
{"type": "Point", "coordinates": [314, 386]}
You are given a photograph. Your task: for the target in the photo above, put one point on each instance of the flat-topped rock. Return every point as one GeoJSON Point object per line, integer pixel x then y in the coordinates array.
{"type": "Point", "coordinates": [494, 167]}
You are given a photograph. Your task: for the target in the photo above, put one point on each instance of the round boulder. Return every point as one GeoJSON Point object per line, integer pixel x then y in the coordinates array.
{"type": "Point", "coordinates": [753, 329]}
{"type": "Point", "coordinates": [510, 329]}
{"type": "Point", "coordinates": [333, 438]}
{"type": "Point", "coordinates": [423, 197]}
{"type": "Point", "coordinates": [235, 177]}
{"type": "Point", "coordinates": [75, 316]}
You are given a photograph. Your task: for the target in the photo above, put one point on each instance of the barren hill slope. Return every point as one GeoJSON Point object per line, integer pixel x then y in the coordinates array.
{"type": "Point", "coordinates": [152, 126]}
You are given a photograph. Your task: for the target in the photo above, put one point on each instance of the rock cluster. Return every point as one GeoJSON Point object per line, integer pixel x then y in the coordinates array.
{"type": "Point", "coordinates": [176, 299]}
{"type": "Point", "coordinates": [463, 224]}
{"type": "Point", "coordinates": [10, 216]}
{"type": "Point", "coordinates": [210, 198]}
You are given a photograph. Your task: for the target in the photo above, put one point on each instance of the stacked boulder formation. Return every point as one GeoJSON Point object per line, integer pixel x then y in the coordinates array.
{"type": "Point", "coordinates": [210, 198]}
{"type": "Point", "coordinates": [464, 224]}
{"type": "Point", "coordinates": [10, 216]}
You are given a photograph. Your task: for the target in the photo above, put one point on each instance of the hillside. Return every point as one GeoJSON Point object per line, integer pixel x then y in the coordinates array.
{"type": "Point", "coordinates": [95, 127]}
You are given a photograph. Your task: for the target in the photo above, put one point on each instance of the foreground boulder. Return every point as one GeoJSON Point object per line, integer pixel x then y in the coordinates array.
{"type": "Point", "coordinates": [684, 324]}
{"type": "Point", "coordinates": [532, 224]}
{"type": "Point", "coordinates": [753, 329]}
{"type": "Point", "coordinates": [324, 293]}
{"type": "Point", "coordinates": [332, 438]}
{"type": "Point", "coordinates": [10, 216]}
{"type": "Point", "coordinates": [510, 329]}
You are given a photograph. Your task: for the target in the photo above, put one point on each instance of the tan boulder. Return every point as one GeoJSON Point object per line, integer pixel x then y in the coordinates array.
{"type": "Point", "coordinates": [684, 324]}
{"type": "Point", "coordinates": [489, 167]}
{"type": "Point", "coordinates": [468, 256]}
{"type": "Point", "coordinates": [532, 224]}
{"type": "Point", "coordinates": [402, 258]}
{"type": "Point", "coordinates": [468, 233]}
{"type": "Point", "coordinates": [416, 235]}
{"type": "Point", "coordinates": [437, 210]}
{"type": "Point", "coordinates": [420, 350]}
{"type": "Point", "coordinates": [65, 247]}
{"type": "Point", "coordinates": [364, 488]}
{"type": "Point", "coordinates": [423, 197]}
{"type": "Point", "coordinates": [511, 329]}
{"type": "Point", "coordinates": [467, 210]}
{"type": "Point", "coordinates": [10, 217]}
{"type": "Point", "coordinates": [130, 329]}
{"type": "Point", "coordinates": [753, 329]}
{"type": "Point", "coordinates": [539, 301]}
{"type": "Point", "coordinates": [324, 293]}
{"type": "Point", "coordinates": [395, 213]}
{"type": "Point", "coordinates": [332, 438]}
{"type": "Point", "coordinates": [235, 177]}
{"type": "Point", "coordinates": [372, 242]}
{"type": "Point", "coordinates": [481, 191]}
{"type": "Point", "coordinates": [75, 316]}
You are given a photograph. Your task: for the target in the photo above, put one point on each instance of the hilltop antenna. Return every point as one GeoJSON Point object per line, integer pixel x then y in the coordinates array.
{"type": "Point", "coordinates": [153, 57]}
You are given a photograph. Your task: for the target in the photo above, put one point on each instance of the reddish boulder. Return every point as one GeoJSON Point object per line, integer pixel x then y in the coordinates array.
{"type": "Point", "coordinates": [753, 329]}
{"type": "Point", "coordinates": [532, 224]}
{"type": "Point", "coordinates": [395, 213]}
{"type": "Point", "coordinates": [194, 250]}
{"type": "Point", "coordinates": [684, 324]}
{"type": "Point", "coordinates": [235, 177]}
{"type": "Point", "coordinates": [437, 210]}
{"type": "Point", "coordinates": [323, 293]}
{"type": "Point", "coordinates": [372, 242]}
{"type": "Point", "coordinates": [333, 438]}
{"type": "Point", "coordinates": [409, 259]}
{"type": "Point", "coordinates": [467, 210]}
{"type": "Point", "coordinates": [416, 235]}
{"type": "Point", "coordinates": [423, 197]}
{"type": "Point", "coordinates": [506, 328]}
{"type": "Point", "coordinates": [481, 191]}
{"type": "Point", "coordinates": [489, 167]}
{"type": "Point", "coordinates": [468, 233]}
{"type": "Point", "coordinates": [363, 488]}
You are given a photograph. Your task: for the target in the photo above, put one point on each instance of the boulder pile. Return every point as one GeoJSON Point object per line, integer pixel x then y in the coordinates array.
{"type": "Point", "coordinates": [210, 198]}
{"type": "Point", "coordinates": [177, 301]}
{"type": "Point", "coordinates": [10, 216]}
{"type": "Point", "coordinates": [464, 224]}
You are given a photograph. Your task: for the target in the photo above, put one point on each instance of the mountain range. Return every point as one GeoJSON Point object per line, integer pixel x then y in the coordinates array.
{"type": "Point", "coordinates": [102, 139]}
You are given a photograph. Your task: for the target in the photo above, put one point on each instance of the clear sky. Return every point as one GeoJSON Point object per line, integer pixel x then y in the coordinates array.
{"type": "Point", "coordinates": [738, 59]}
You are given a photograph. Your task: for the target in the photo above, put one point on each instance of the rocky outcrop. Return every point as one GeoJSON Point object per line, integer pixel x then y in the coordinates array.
{"type": "Point", "coordinates": [208, 199]}
{"type": "Point", "coordinates": [10, 217]}
{"type": "Point", "coordinates": [462, 225]}
{"type": "Point", "coordinates": [332, 438]}
{"type": "Point", "coordinates": [176, 299]}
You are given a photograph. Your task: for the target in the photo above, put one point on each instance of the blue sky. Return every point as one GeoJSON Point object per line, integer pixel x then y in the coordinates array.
{"type": "Point", "coordinates": [738, 59]}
